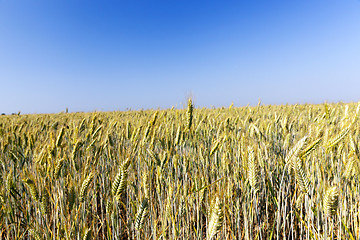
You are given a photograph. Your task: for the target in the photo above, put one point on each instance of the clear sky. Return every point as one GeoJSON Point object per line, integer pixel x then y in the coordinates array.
{"type": "Point", "coordinates": [110, 55]}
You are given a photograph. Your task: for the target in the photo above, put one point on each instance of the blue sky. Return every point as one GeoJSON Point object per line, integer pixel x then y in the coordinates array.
{"type": "Point", "coordinates": [110, 55]}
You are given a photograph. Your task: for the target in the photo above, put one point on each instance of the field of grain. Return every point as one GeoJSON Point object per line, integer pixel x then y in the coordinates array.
{"type": "Point", "coordinates": [264, 172]}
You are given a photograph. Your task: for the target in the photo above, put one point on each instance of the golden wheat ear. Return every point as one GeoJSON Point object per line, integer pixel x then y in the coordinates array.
{"type": "Point", "coordinates": [310, 148]}
{"type": "Point", "coordinates": [120, 181]}
{"type": "Point", "coordinates": [295, 150]}
{"type": "Point", "coordinates": [215, 147]}
{"type": "Point", "coordinates": [294, 160]}
{"type": "Point", "coordinates": [146, 185]}
{"type": "Point", "coordinates": [333, 142]}
{"type": "Point", "coordinates": [85, 186]}
{"type": "Point", "coordinates": [216, 220]}
{"type": "Point", "coordinates": [58, 167]}
{"type": "Point", "coordinates": [300, 175]}
{"type": "Point", "coordinates": [253, 170]}
{"type": "Point", "coordinates": [331, 201]}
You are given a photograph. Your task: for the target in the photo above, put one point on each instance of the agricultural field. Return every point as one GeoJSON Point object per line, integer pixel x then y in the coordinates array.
{"type": "Point", "coordinates": [263, 172]}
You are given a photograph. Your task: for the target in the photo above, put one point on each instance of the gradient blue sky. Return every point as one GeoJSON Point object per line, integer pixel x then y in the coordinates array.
{"type": "Point", "coordinates": [110, 55]}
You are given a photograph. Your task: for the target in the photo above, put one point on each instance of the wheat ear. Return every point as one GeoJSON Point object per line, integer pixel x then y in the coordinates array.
{"type": "Point", "coordinates": [141, 215]}
{"type": "Point", "coordinates": [58, 167]}
{"type": "Point", "coordinates": [87, 234]}
{"type": "Point", "coordinates": [331, 200]}
{"type": "Point", "coordinates": [216, 220]}
{"type": "Point", "coordinates": [190, 109]}
{"type": "Point", "coordinates": [312, 146]}
{"type": "Point", "coordinates": [85, 186]}
{"type": "Point", "coordinates": [32, 187]}
{"type": "Point", "coordinates": [120, 180]}
{"type": "Point", "coordinates": [295, 150]}
{"type": "Point", "coordinates": [253, 170]}
{"type": "Point", "coordinates": [300, 175]}
{"type": "Point", "coordinates": [35, 234]}
{"type": "Point", "coordinates": [333, 142]}
{"type": "Point", "coordinates": [45, 202]}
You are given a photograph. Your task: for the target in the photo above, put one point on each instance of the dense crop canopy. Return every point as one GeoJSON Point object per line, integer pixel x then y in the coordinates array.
{"type": "Point", "coordinates": [265, 172]}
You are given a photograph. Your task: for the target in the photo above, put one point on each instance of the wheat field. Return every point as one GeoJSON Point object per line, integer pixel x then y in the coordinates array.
{"type": "Point", "coordinates": [263, 172]}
